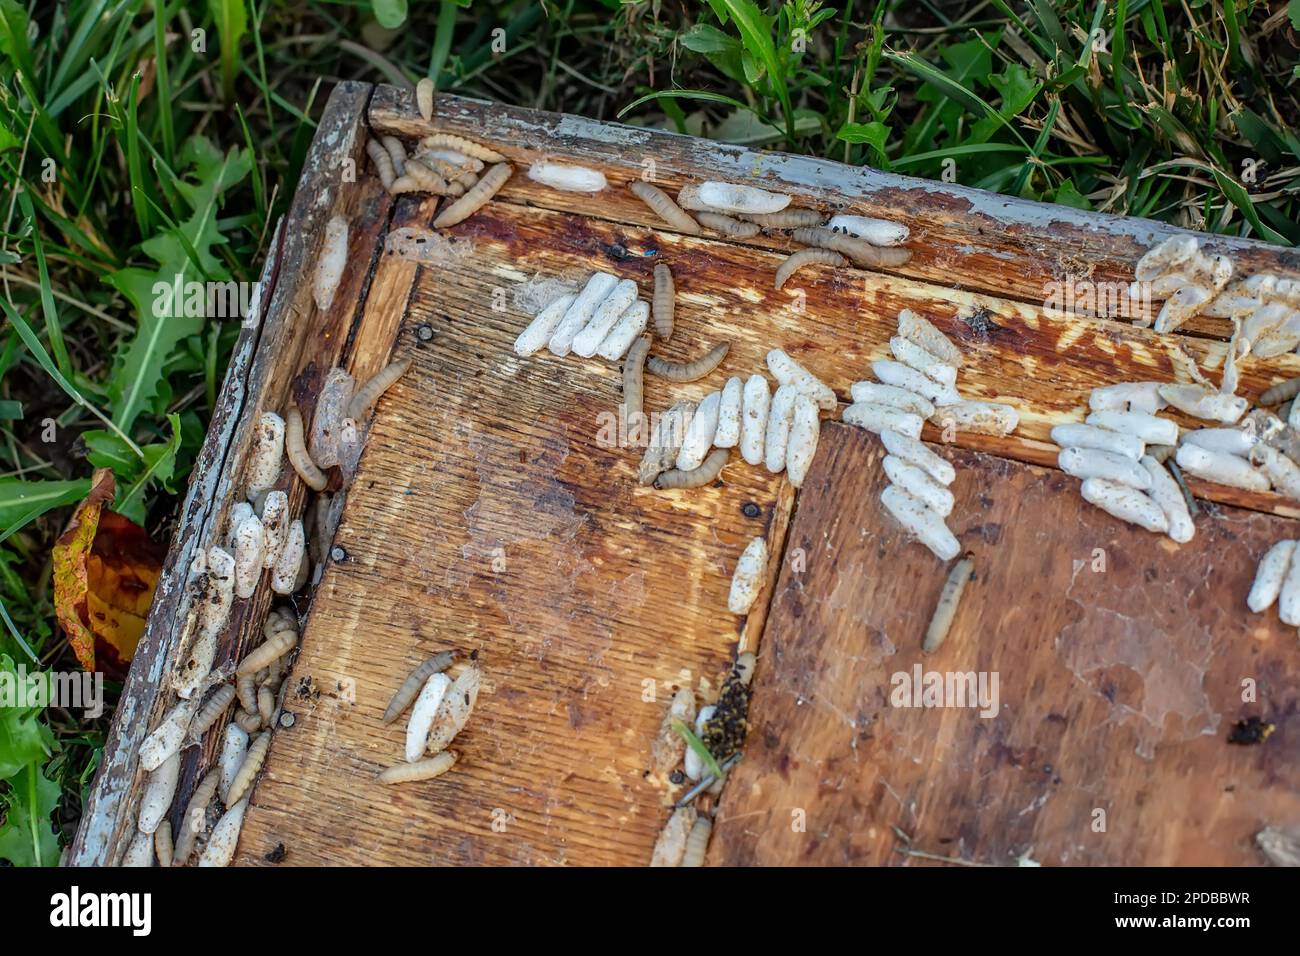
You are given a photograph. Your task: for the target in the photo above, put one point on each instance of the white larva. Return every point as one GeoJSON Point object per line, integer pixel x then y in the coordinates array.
{"type": "Point", "coordinates": [383, 163]}
{"type": "Point", "coordinates": [424, 97]}
{"type": "Point", "coordinates": [692, 762]}
{"type": "Point", "coordinates": [234, 748]}
{"type": "Point", "coordinates": [728, 433]}
{"type": "Point", "coordinates": [878, 232]}
{"type": "Point", "coordinates": [1124, 502]}
{"type": "Point", "coordinates": [587, 341]}
{"type": "Point", "coordinates": [580, 311]}
{"type": "Point", "coordinates": [1229, 441]}
{"type": "Point", "coordinates": [879, 418]}
{"type": "Point", "coordinates": [266, 705]}
{"type": "Point", "coordinates": [249, 769]}
{"type": "Point", "coordinates": [1281, 470]}
{"type": "Point", "coordinates": [466, 147]}
{"type": "Point", "coordinates": [167, 737]}
{"type": "Point", "coordinates": [1166, 493]}
{"type": "Point", "coordinates": [451, 159]}
{"type": "Point", "coordinates": [789, 372]}
{"type": "Point", "coordinates": [927, 335]}
{"type": "Point", "coordinates": [269, 651]}
{"type": "Point", "coordinates": [240, 512]}
{"type": "Point", "coordinates": [1165, 256]}
{"type": "Point", "coordinates": [779, 419]}
{"type": "Point", "coordinates": [248, 720]}
{"type": "Point", "coordinates": [211, 711]}
{"type": "Point", "coordinates": [139, 852]}
{"type": "Point", "coordinates": [250, 551]}
{"type": "Point", "coordinates": [1201, 402]}
{"type": "Point", "coordinates": [275, 526]}
{"type": "Point", "coordinates": [1127, 397]}
{"type": "Point", "coordinates": [909, 353]}
{"type": "Point", "coordinates": [195, 818]}
{"type": "Point", "coordinates": [700, 432]}
{"type": "Point", "coordinates": [478, 196]}
{"type": "Point", "coordinates": [806, 257]}
{"type": "Point", "coordinates": [985, 418]}
{"type": "Point", "coordinates": [1261, 322]}
{"type": "Point", "coordinates": [1098, 463]}
{"type": "Point", "coordinates": [302, 462]}
{"type": "Point", "coordinates": [574, 179]}
{"type": "Point", "coordinates": [670, 847]}
{"type": "Point", "coordinates": [1288, 604]}
{"type": "Point", "coordinates": [919, 485]}
{"type": "Point", "coordinates": [285, 574]}
{"type": "Point", "coordinates": [1270, 574]}
{"type": "Point", "coordinates": [1181, 306]}
{"type": "Point", "coordinates": [225, 837]}
{"type": "Point", "coordinates": [162, 844]}
{"type": "Point", "coordinates": [668, 746]}
{"type": "Point", "coordinates": [922, 522]}
{"type": "Point", "coordinates": [423, 712]}
{"type": "Point", "coordinates": [666, 441]}
{"type": "Point", "coordinates": [331, 262]}
{"type": "Point", "coordinates": [534, 338]}
{"type": "Point", "coordinates": [945, 611]}
{"type": "Point", "coordinates": [756, 401]}
{"type": "Point", "coordinates": [365, 397]}
{"type": "Point", "coordinates": [1149, 428]}
{"type": "Point", "coordinates": [456, 708]}
{"type": "Point", "coordinates": [915, 453]}
{"type": "Point", "coordinates": [893, 396]}
{"type": "Point", "coordinates": [697, 843]}
{"type": "Point", "coordinates": [158, 793]}
{"type": "Point", "coordinates": [663, 206]}
{"type": "Point", "coordinates": [805, 429]}
{"type": "Point", "coordinates": [435, 766]}
{"type": "Point", "coordinates": [626, 330]}
{"type": "Point", "coordinates": [904, 376]}
{"type": "Point", "coordinates": [265, 457]}
{"type": "Point", "coordinates": [1075, 435]}
{"type": "Point", "coordinates": [732, 197]}
{"type": "Point", "coordinates": [1220, 468]}
{"type": "Point", "coordinates": [747, 579]}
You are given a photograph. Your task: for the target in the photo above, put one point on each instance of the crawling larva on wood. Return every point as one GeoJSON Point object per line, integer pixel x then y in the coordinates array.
{"type": "Point", "coordinates": [806, 257]}
{"type": "Point", "coordinates": [927, 335]}
{"type": "Point", "coordinates": [534, 338]}
{"type": "Point", "coordinates": [726, 226]}
{"type": "Point", "coordinates": [396, 151]}
{"type": "Point", "coordinates": [915, 453]}
{"type": "Point", "coordinates": [194, 820]}
{"type": "Point", "coordinates": [1149, 428]}
{"type": "Point", "coordinates": [1220, 468]}
{"type": "Point", "coordinates": [688, 371]}
{"type": "Point", "coordinates": [1166, 493]}
{"type": "Point", "coordinates": [625, 331]}
{"type": "Point", "coordinates": [1269, 576]}
{"type": "Point", "coordinates": [697, 842]}
{"type": "Point", "coordinates": [755, 402]}
{"type": "Point", "coordinates": [587, 342]}
{"type": "Point", "coordinates": [414, 682]}
{"type": "Point", "coordinates": [792, 217]}
{"type": "Point", "coordinates": [162, 844]}
{"type": "Point", "coordinates": [424, 97]}
{"type": "Point", "coordinates": [859, 251]}
{"type": "Point", "coordinates": [167, 737]}
{"type": "Point", "coordinates": [945, 612]}
{"type": "Point", "coordinates": [1099, 463]}
{"type": "Point", "coordinates": [789, 372]}
{"type": "Point", "coordinates": [380, 382]}
{"type": "Point", "coordinates": [383, 163]}
{"type": "Point", "coordinates": [246, 691]}
{"type": "Point", "coordinates": [634, 388]}
{"type": "Point", "coordinates": [285, 576]}
{"type": "Point", "coordinates": [878, 232]}
{"type": "Point", "coordinates": [928, 364]}
{"type": "Point", "coordinates": [264, 457]}
{"type": "Point", "coordinates": [736, 198]}
{"type": "Point", "coordinates": [747, 579]}
{"type": "Point", "coordinates": [1074, 435]}
{"type": "Point", "coordinates": [881, 418]}
{"type": "Point", "coordinates": [1165, 256]}
{"type": "Point", "coordinates": [580, 311]}
{"type": "Point", "coordinates": [665, 301]}
{"type": "Point", "coordinates": [662, 205]}
{"type": "Point", "coordinates": [920, 521]}
{"type": "Point", "coordinates": [456, 708]}
{"type": "Point", "coordinates": [434, 766]}
{"type": "Point", "coordinates": [1124, 502]}
{"type": "Point", "coordinates": [312, 476]}
{"type": "Point", "coordinates": [268, 652]}
{"type": "Point", "coordinates": [265, 705]}
{"type": "Point", "coordinates": [670, 847]}
{"type": "Point", "coordinates": [1281, 392]}
{"type": "Point", "coordinates": [729, 410]}
{"type": "Point", "coordinates": [225, 837]}
{"type": "Point", "coordinates": [250, 552]}
{"type": "Point", "coordinates": [567, 177]}
{"type": "Point", "coordinates": [476, 198]}
{"type": "Point", "coordinates": [158, 793]}
{"type": "Point", "coordinates": [425, 178]}
{"type": "Point", "coordinates": [700, 433]}
{"type": "Point", "coordinates": [661, 453]}
{"type": "Point", "coordinates": [460, 144]}
{"type": "Point", "coordinates": [333, 259]}
{"type": "Point", "coordinates": [234, 748]}
{"type": "Point", "coordinates": [906, 377]}
{"type": "Point", "coordinates": [423, 714]}
{"type": "Point", "coordinates": [249, 769]}
{"type": "Point", "coordinates": [917, 483]}
{"type": "Point", "coordinates": [985, 418]}
{"type": "Point", "coordinates": [211, 711]}
{"type": "Point", "coordinates": [780, 417]}
{"type": "Point", "coordinates": [805, 429]}
{"type": "Point", "coordinates": [248, 720]}
{"type": "Point", "coordinates": [712, 466]}
{"type": "Point", "coordinates": [1230, 441]}
{"type": "Point", "coordinates": [893, 396]}
{"type": "Point", "coordinates": [1201, 402]}
{"type": "Point", "coordinates": [139, 851]}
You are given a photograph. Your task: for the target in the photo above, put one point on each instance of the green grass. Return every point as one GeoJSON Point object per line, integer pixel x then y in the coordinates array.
{"type": "Point", "coordinates": [141, 140]}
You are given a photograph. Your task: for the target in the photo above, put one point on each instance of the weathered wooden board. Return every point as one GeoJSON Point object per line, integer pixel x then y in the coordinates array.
{"type": "Point", "coordinates": [1117, 688]}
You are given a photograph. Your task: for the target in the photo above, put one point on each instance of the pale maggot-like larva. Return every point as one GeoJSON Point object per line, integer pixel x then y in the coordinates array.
{"type": "Point", "coordinates": [1281, 470]}
{"type": "Point", "coordinates": [1281, 392]}
{"type": "Point", "coordinates": [1288, 603]}
{"type": "Point", "coordinates": [1127, 397]}
{"type": "Point", "coordinates": [414, 682]}
{"type": "Point", "coordinates": [881, 418]}
{"type": "Point", "coordinates": [264, 457]}
{"type": "Point", "coordinates": [250, 552]}
{"type": "Point", "coordinates": [285, 574]}
{"type": "Point", "coordinates": [985, 418]}
{"type": "Point", "coordinates": [801, 447]}
{"type": "Point", "coordinates": [692, 762]}
{"type": "Point", "coordinates": [265, 705]}
{"type": "Point", "coordinates": [331, 262]}
{"type": "Point", "coordinates": [587, 342]}
{"type": "Point", "coordinates": [789, 372]}
{"type": "Point", "coordinates": [634, 389]}
{"type": "Point", "coordinates": [736, 198]}
{"type": "Point", "coordinates": [294, 447]}
{"type": "Point", "coordinates": [250, 768]}
{"type": "Point", "coordinates": [1076, 435]}
{"type": "Point", "coordinates": [920, 521]}
{"type": "Point", "coordinates": [1201, 402]}
{"type": "Point", "coordinates": [246, 691]}
{"type": "Point", "coordinates": [1166, 493]}
{"type": "Point", "coordinates": [921, 486]}
{"type": "Point", "coordinates": [927, 335]}
{"type": "Point", "coordinates": [383, 163]}
{"type": "Point", "coordinates": [928, 364]}
{"type": "Point", "coordinates": [212, 710]}
{"type": "Point", "coordinates": [699, 434]}
{"type": "Point", "coordinates": [1165, 256]}
{"type": "Point", "coordinates": [708, 470]}
{"type": "Point", "coordinates": [162, 844]}
{"type": "Point", "coordinates": [366, 396]}
{"type": "Point", "coordinates": [697, 842]}
{"type": "Point", "coordinates": [567, 177]}
{"type": "Point", "coordinates": [166, 739]}
{"type": "Point", "coordinates": [668, 746]}
{"type": "Point", "coordinates": [539, 331]}
{"type": "Point", "coordinates": [626, 330]}
{"type": "Point", "coordinates": [914, 452]}
{"type": "Point", "coordinates": [670, 847]}
{"type": "Point", "coordinates": [240, 512]}
{"type": "Point", "coordinates": [159, 790]}
{"type": "Point", "coordinates": [1220, 468]}
{"type": "Point", "coordinates": [755, 403]}
{"type": "Point", "coordinates": [878, 232]}
{"type": "Point", "coordinates": [1099, 463]}
{"type": "Point", "coordinates": [747, 579]}
{"type": "Point", "coordinates": [466, 147]}
{"type": "Point", "coordinates": [688, 371]}
{"type": "Point", "coordinates": [779, 419]}
{"type": "Point", "coordinates": [662, 205]}
{"type": "Point", "coordinates": [792, 217]}
{"type": "Point", "coordinates": [904, 376]}
{"type": "Point", "coordinates": [580, 311]}
{"type": "Point", "coordinates": [268, 652]}
{"type": "Point", "coordinates": [806, 257]}
{"type": "Point", "coordinates": [275, 526]}
{"type": "Point", "coordinates": [476, 198]}
{"type": "Point", "coordinates": [396, 151]}
{"type": "Point", "coordinates": [139, 851]}
{"type": "Point", "coordinates": [859, 251]}
{"type": "Point", "coordinates": [457, 705]}
{"type": "Point", "coordinates": [729, 409]}
{"type": "Point", "coordinates": [893, 396]}
{"type": "Point", "coordinates": [1269, 576]}
{"type": "Point", "coordinates": [234, 748]}
{"type": "Point", "coordinates": [248, 720]}
{"type": "Point", "coordinates": [1149, 428]}
{"type": "Point", "coordinates": [1230, 441]}
{"type": "Point", "coordinates": [665, 301]}
{"type": "Point", "coordinates": [225, 837]}
{"type": "Point", "coordinates": [1124, 502]}
{"type": "Point", "coordinates": [434, 766]}
{"type": "Point", "coordinates": [424, 97]}
{"type": "Point", "coordinates": [726, 226]}
{"type": "Point", "coordinates": [423, 713]}
{"type": "Point", "coordinates": [194, 819]}
{"type": "Point", "coordinates": [945, 612]}
{"type": "Point", "coordinates": [665, 442]}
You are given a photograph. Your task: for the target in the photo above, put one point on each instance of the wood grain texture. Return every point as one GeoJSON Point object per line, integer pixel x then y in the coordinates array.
{"type": "Point", "coordinates": [1117, 688]}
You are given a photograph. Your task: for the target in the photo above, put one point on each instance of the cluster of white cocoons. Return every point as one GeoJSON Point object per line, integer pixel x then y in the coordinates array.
{"type": "Point", "coordinates": [1235, 457]}
{"type": "Point", "coordinates": [782, 432]}
{"type": "Point", "coordinates": [1278, 579]}
{"type": "Point", "coordinates": [604, 318]}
